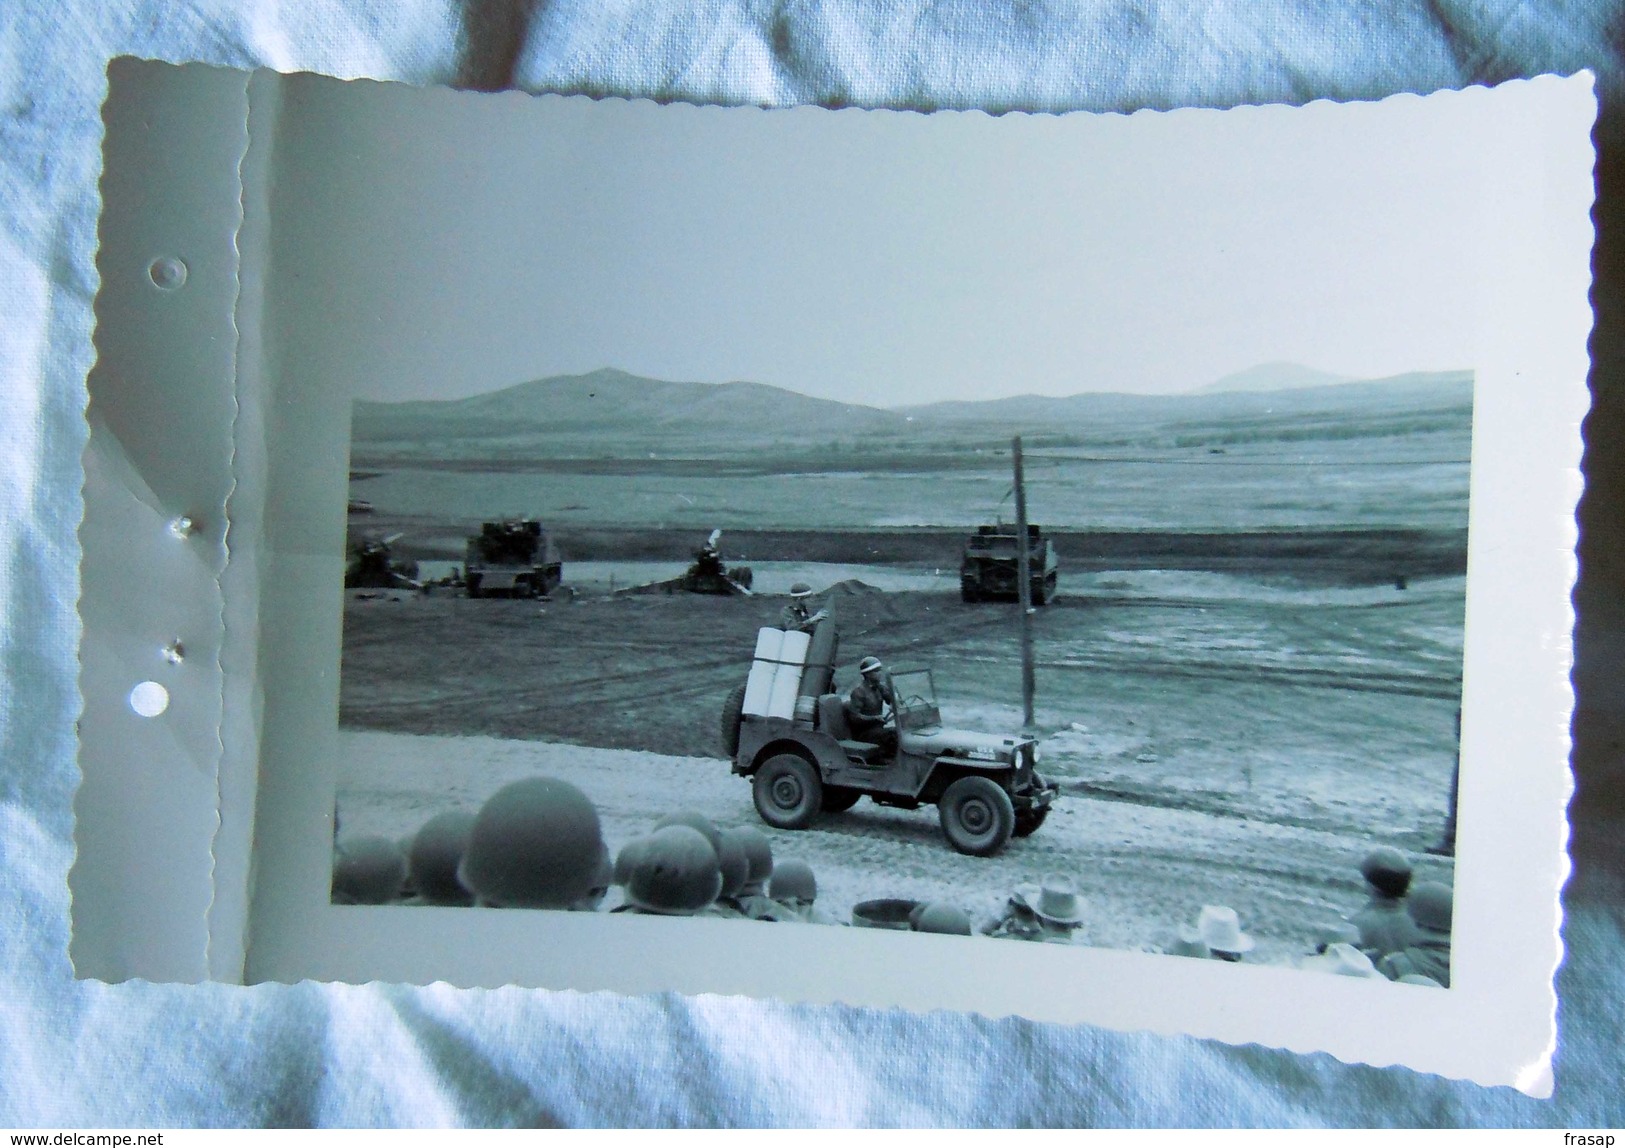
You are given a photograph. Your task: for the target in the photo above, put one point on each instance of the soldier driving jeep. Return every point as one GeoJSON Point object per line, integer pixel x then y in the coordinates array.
{"type": "Point", "coordinates": [871, 707]}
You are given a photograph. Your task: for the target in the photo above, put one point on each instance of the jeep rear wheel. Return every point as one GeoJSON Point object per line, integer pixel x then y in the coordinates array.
{"type": "Point", "coordinates": [732, 714]}
{"type": "Point", "coordinates": [977, 817]}
{"type": "Point", "coordinates": [840, 798]}
{"type": "Point", "coordinates": [787, 792]}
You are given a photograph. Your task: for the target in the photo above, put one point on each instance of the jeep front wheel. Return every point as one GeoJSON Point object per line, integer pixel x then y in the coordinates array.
{"type": "Point", "coordinates": [977, 817]}
{"type": "Point", "coordinates": [787, 792]}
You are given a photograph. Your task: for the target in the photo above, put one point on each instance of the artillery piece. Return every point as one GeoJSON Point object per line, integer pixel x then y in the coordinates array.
{"type": "Point", "coordinates": [373, 567]}
{"type": "Point", "coordinates": [707, 575]}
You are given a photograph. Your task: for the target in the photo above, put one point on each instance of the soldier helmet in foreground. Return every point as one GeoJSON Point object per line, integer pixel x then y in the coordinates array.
{"type": "Point", "coordinates": [601, 881]}
{"type": "Point", "coordinates": [694, 821]}
{"type": "Point", "coordinates": [436, 851]}
{"type": "Point", "coordinates": [759, 852]}
{"type": "Point", "coordinates": [734, 863]}
{"type": "Point", "coordinates": [870, 665]}
{"type": "Point", "coordinates": [793, 881]}
{"type": "Point", "coordinates": [941, 917]}
{"type": "Point", "coordinates": [535, 844]}
{"type": "Point", "coordinates": [1388, 871]}
{"type": "Point", "coordinates": [1430, 906]}
{"type": "Point", "coordinates": [368, 871]}
{"type": "Point", "coordinates": [676, 872]}
{"type": "Point", "coordinates": [626, 860]}
{"type": "Point", "coordinates": [801, 590]}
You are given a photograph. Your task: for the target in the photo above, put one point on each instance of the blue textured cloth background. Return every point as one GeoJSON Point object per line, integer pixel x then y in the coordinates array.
{"type": "Point", "coordinates": [76, 1054]}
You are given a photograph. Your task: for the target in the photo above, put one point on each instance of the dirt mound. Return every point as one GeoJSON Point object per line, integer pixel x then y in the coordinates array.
{"type": "Point", "coordinates": [852, 588]}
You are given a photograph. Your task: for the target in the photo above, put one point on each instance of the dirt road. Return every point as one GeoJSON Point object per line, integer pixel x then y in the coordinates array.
{"type": "Point", "coordinates": [1217, 738]}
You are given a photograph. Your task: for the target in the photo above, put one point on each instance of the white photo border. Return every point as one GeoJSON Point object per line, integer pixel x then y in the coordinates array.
{"type": "Point", "coordinates": [1495, 1025]}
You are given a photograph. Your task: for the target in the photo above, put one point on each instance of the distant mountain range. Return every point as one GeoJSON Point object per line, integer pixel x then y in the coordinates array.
{"type": "Point", "coordinates": [1272, 377]}
{"type": "Point", "coordinates": [615, 412]}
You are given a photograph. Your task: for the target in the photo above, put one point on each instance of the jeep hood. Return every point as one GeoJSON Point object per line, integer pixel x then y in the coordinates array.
{"type": "Point", "coordinates": [961, 742]}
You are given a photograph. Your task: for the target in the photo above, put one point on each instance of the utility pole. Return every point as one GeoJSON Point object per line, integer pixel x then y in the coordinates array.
{"type": "Point", "coordinates": [1024, 591]}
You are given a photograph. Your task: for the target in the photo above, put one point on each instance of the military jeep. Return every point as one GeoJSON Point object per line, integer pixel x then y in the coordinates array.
{"type": "Point", "coordinates": [984, 786]}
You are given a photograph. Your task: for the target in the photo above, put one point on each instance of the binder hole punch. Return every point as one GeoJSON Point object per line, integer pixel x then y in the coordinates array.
{"type": "Point", "coordinates": [149, 699]}
{"type": "Point", "coordinates": [182, 527]}
{"type": "Point", "coordinates": [167, 273]}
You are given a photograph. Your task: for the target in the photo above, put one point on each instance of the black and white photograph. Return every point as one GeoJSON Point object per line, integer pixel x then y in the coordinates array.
{"type": "Point", "coordinates": [722, 540]}
{"type": "Point", "coordinates": [685, 570]}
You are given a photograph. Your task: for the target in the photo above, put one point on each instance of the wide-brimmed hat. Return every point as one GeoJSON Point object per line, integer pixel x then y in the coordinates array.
{"type": "Point", "coordinates": [1218, 927]}
{"type": "Point", "coordinates": [801, 590]}
{"type": "Point", "coordinates": [870, 665]}
{"type": "Point", "coordinates": [1341, 960]}
{"type": "Point", "coordinates": [1054, 899]}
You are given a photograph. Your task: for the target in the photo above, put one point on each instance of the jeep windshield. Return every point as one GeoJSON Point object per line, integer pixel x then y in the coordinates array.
{"type": "Point", "coordinates": [916, 695]}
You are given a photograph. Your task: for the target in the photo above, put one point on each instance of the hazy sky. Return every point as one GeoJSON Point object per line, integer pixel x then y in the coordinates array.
{"type": "Point", "coordinates": [880, 257]}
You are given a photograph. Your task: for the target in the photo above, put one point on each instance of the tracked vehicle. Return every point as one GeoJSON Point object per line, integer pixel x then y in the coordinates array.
{"type": "Point", "coordinates": [988, 569]}
{"type": "Point", "coordinates": [986, 787]}
{"type": "Point", "coordinates": [515, 557]}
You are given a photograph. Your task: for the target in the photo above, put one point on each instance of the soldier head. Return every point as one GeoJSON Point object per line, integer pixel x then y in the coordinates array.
{"type": "Point", "coordinates": [801, 590]}
{"type": "Point", "coordinates": [675, 873]}
{"type": "Point", "coordinates": [1431, 907]}
{"type": "Point", "coordinates": [535, 844]}
{"type": "Point", "coordinates": [368, 871]}
{"type": "Point", "coordinates": [759, 852]}
{"type": "Point", "coordinates": [1387, 870]}
{"type": "Point", "coordinates": [871, 667]}
{"type": "Point", "coordinates": [734, 863]}
{"type": "Point", "coordinates": [694, 821]}
{"type": "Point", "coordinates": [941, 917]}
{"type": "Point", "coordinates": [434, 855]}
{"type": "Point", "coordinates": [793, 883]}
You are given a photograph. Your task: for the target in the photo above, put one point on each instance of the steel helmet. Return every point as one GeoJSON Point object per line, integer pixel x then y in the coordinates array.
{"type": "Point", "coordinates": [941, 917]}
{"type": "Point", "coordinates": [794, 881]}
{"type": "Point", "coordinates": [1430, 906]}
{"type": "Point", "coordinates": [676, 873]}
{"type": "Point", "coordinates": [627, 858]}
{"type": "Point", "coordinates": [602, 879]}
{"type": "Point", "coordinates": [694, 821]}
{"type": "Point", "coordinates": [535, 845]}
{"type": "Point", "coordinates": [368, 871]}
{"type": "Point", "coordinates": [734, 863]}
{"type": "Point", "coordinates": [434, 855]}
{"type": "Point", "coordinates": [801, 590]}
{"type": "Point", "coordinates": [759, 851]}
{"type": "Point", "coordinates": [870, 665]}
{"type": "Point", "coordinates": [1388, 870]}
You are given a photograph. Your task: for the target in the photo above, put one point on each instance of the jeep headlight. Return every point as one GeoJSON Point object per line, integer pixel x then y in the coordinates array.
{"type": "Point", "coordinates": [1035, 753]}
